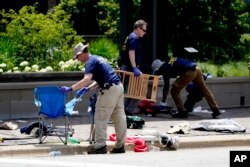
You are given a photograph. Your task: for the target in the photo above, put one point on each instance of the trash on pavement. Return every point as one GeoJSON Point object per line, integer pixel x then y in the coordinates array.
{"type": "Point", "coordinates": [166, 141]}
{"type": "Point", "coordinates": [182, 128]}
{"type": "Point", "coordinates": [9, 126]}
{"type": "Point", "coordinates": [73, 140]}
{"type": "Point", "coordinates": [219, 125]}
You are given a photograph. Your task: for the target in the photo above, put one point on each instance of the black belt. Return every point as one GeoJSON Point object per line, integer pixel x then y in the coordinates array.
{"type": "Point", "coordinates": [108, 85]}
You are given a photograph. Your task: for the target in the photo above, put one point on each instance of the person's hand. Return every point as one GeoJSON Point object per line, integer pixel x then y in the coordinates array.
{"type": "Point", "coordinates": [136, 71]}
{"type": "Point", "coordinates": [65, 89]}
{"type": "Point", "coordinates": [81, 91]}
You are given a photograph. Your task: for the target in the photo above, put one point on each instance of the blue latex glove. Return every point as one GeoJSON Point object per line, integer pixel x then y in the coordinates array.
{"type": "Point", "coordinates": [65, 89]}
{"type": "Point", "coordinates": [81, 91]}
{"type": "Point", "coordinates": [136, 71]}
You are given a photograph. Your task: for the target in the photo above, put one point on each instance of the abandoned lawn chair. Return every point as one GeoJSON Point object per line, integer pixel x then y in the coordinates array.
{"type": "Point", "coordinates": [52, 114]}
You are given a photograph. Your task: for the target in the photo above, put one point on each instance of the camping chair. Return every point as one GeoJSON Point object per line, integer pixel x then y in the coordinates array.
{"type": "Point", "coordinates": [51, 108]}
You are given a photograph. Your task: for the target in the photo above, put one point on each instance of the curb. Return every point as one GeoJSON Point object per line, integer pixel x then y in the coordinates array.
{"type": "Point", "coordinates": [215, 141]}
{"type": "Point", "coordinates": [81, 149]}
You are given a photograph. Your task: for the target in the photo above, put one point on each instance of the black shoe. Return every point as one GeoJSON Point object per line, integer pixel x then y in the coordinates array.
{"type": "Point", "coordinates": [216, 114]}
{"type": "Point", "coordinates": [102, 150]}
{"type": "Point", "coordinates": [117, 150]}
{"type": "Point", "coordinates": [180, 115]}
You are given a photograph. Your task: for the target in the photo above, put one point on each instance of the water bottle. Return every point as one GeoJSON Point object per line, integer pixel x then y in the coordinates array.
{"type": "Point", "coordinates": [55, 153]}
{"type": "Point", "coordinates": [74, 113]}
{"type": "Point", "coordinates": [73, 140]}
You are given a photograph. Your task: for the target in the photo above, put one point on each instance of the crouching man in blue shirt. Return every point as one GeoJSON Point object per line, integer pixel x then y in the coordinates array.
{"type": "Point", "coordinates": [185, 71]}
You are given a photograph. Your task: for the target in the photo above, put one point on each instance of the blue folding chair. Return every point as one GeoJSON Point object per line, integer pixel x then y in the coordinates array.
{"type": "Point", "coordinates": [51, 108]}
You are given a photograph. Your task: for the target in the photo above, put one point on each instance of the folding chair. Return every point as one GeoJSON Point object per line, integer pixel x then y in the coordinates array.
{"type": "Point", "coordinates": [51, 108]}
{"type": "Point", "coordinates": [142, 88]}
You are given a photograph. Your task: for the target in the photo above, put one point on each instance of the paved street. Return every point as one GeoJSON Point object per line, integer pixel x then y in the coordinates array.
{"type": "Point", "coordinates": [193, 157]}
{"type": "Point", "coordinates": [14, 140]}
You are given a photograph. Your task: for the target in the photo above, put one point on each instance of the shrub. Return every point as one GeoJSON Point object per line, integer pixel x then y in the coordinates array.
{"type": "Point", "coordinates": [105, 48]}
{"type": "Point", "coordinates": [208, 68]}
{"type": "Point", "coordinates": [232, 69]}
{"type": "Point", "coordinates": [38, 38]}
{"type": "Point", "coordinates": [7, 50]}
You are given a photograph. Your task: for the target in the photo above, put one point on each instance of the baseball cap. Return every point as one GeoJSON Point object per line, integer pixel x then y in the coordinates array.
{"type": "Point", "coordinates": [79, 49]}
{"type": "Point", "coordinates": [156, 64]}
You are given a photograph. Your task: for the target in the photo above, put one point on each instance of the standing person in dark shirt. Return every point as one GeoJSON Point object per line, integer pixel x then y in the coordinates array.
{"type": "Point", "coordinates": [132, 49]}
{"type": "Point", "coordinates": [131, 56]}
{"type": "Point", "coordinates": [110, 100]}
{"type": "Point", "coordinates": [186, 71]}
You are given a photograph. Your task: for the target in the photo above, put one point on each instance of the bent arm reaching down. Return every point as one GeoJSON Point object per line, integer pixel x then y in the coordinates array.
{"type": "Point", "coordinates": [83, 83]}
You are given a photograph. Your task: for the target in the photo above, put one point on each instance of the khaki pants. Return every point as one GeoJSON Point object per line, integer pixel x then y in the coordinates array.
{"type": "Point", "coordinates": [197, 78]}
{"type": "Point", "coordinates": [110, 104]}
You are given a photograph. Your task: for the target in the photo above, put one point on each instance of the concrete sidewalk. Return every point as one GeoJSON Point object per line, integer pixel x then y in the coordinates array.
{"type": "Point", "coordinates": [17, 144]}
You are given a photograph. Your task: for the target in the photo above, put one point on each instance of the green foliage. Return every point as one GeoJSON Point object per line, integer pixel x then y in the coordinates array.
{"type": "Point", "coordinates": [105, 48]}
{"type": "Point", "coordinates": [39, 38]}
{"type": "Point", "coordinates": [108, 17]}
{"type": "Point", "coordinates": [245, 39]}
{"type": "Point", "coordinates": [7, 50]}
{"type": "Point", "coordinates": [232, 69]}
{"type": "Point", "coordinates": [212, 27]}
{"type": "Point", "coordinates": [208, 68]}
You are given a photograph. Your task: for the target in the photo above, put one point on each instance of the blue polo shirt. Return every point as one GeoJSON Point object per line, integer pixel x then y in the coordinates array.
{"type": "Point", "coordinates": [133, 43]}
{"type": "Point", "coordinates": [175, 67]}
{"type": "Point", "coordinates": [101, 70]}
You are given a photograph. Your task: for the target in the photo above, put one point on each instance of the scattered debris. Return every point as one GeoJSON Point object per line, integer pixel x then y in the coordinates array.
{"type": "Point", "coordinates": [219, 125]}
{"type": "Point", "coordinates": [9, 126]}
{"type": "Point", "coordinates": [182, 128]}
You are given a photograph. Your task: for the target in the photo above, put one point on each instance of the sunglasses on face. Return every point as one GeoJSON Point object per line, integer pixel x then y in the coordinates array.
{"type": "Point", "coordinates": [142, 29]}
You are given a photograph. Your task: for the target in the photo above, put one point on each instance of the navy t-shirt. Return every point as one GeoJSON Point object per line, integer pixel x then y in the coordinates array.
{"type": "Point", "coordinates": [101, 70]}
{"type": "Point", "coordinates": [133, 43]}
{"type": "Point", "coordinates": [175, 67]}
